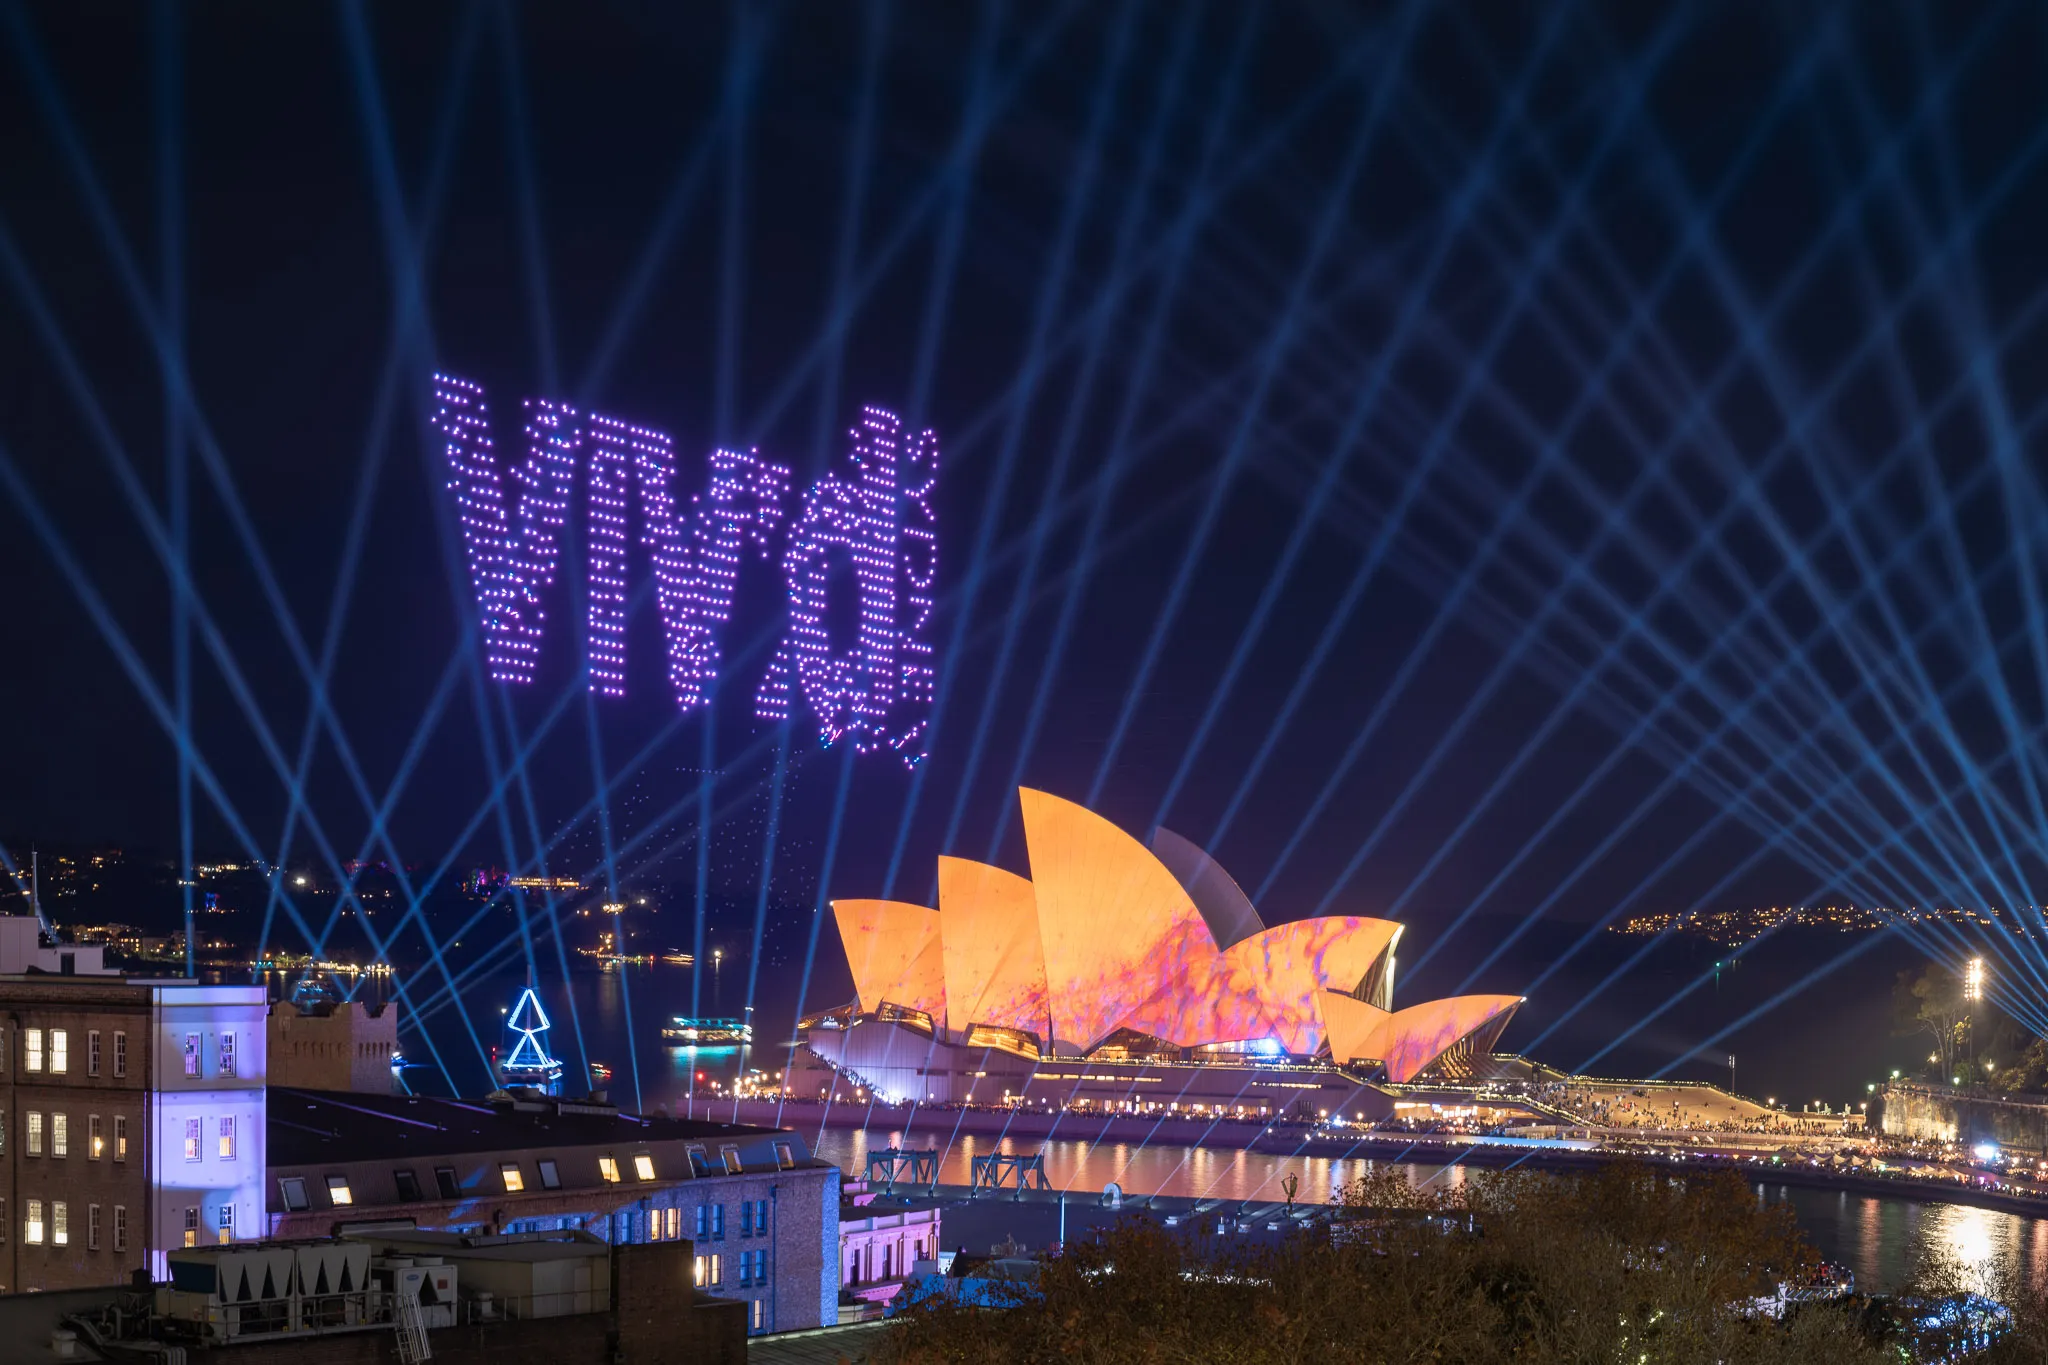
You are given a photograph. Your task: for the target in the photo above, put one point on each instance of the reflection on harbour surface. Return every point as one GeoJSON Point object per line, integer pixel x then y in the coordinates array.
{"type": "Point", "coordinates": [1886, 1241]}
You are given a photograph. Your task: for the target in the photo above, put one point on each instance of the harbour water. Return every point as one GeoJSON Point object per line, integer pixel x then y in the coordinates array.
{"type": "Point", "coordinates": [1888, 1242]}
{"type": "Point", "coordinates": [615, 1017]}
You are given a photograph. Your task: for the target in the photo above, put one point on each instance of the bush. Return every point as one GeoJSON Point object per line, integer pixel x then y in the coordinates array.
{"type": "Point", "coordinates": [1629, 1265]}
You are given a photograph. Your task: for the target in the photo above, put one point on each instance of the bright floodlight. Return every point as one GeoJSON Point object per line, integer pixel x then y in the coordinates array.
{"type": "Point", "coordinates": [1973, 980]}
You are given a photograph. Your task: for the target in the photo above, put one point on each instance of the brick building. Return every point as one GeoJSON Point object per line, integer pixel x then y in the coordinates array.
{"type": "Point", "coordinates": [131, 1123]}
{"type": "Point", "coordinates": [344, 1045]}
{"type": "Point", "coordinates": [762, 1212]}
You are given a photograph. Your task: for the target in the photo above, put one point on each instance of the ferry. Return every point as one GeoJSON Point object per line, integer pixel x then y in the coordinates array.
{"type": "Point", "coordinates": [689, 1032]}
{"type": "Point", "coordinates": [541, 1071]}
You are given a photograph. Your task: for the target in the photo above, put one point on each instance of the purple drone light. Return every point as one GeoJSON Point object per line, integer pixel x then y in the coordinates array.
{"type": "Point", "coordinates": [509, 569]}
{"type": "Point", "coordinates": [879, 693]}
{"type": "Point", "coordinates": [880, 516]}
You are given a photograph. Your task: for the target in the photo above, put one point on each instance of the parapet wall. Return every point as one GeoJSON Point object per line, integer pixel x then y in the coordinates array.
{"type": "Point", "coordinates": [1934, 1115]}
{"type": "Point", "coordinates": [347, 1048]}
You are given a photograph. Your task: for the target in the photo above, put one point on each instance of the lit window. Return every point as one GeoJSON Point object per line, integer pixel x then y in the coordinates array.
{"type": "Point", "coordinates": [227, 1139]}
{"type": "Point", "coordinates": [92, 1227]}
{"type": "Point", "coordinates": [514, 1182]}
{"type": "Point", "coordinates": [32, 1222]}
{"type": "Point", "coordinates": [191, 1054]}
{"type": "Point", "coordinates": [337, 1191]}
{"type": "Point", "coordinates": [550, 1178]}
{"type": "Point", "coordinates": [92, 1052]}
{"type": "Point", "coordinates": [60, 1135]}
{"type": "Point", "coordinates": [120, 1056]}
{"type": "Point", "coordinates": [191, 1139]}
{"type": "Point", "coordinates": [227, 1054]}
{"type": "Point", "coordinates": [785, 1155]}
{"type": "Point", "coordinates": [675, 1224]}
{"type": "Point", "coordinates": [697, 1270]}
{"type": "Point", "coordinates": [717, 1269]}
{"type": "Point", "coordinates": [120, 1227]}
{"type": "Point", "coordinates": [643, 1166]}
{"type": "Point", "coordinates": [730, 1155]}
{"type": "Point", "coordinates": [760, 1314]}
{"type": "Point", "coordinates": [35, 1133]}
{"type": "Point", "coordinates": [293, 1188]}
{"type": "Point", "coordinates": [60, 1051]}
{"type": "Point", "coordinates": [60, 1223]}
{"type": "Point", "coordinates": [95, 1144]}
{"type": "Point", "coordinates": [227, 1224]}
{"type": "Point", "coordinates": [120, 1137]}
{"type": "Point", "coordinates": [191, 1227]}
{"type": "Point", "coordinates": [608, 1167]}
{"type": "Point", "coordinates": [32, 1050]}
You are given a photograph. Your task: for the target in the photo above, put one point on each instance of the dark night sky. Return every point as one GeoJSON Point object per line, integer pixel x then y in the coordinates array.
{"type": "Point", "coordinates": [1665, 377]}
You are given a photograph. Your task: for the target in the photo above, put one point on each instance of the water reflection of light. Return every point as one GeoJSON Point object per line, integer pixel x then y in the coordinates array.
{"type": "Point", "coordinates": [1969, 1243]}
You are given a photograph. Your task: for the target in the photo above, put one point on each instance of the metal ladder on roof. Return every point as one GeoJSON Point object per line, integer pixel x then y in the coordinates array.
{"type": "Point", "coordinates": [412, 1331]}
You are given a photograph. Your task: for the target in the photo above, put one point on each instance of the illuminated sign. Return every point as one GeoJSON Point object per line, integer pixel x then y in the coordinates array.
{"type": "Point", "coordinates": [876, 517]}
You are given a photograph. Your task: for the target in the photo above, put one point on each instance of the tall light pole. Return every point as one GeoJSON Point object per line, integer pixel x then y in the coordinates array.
{"type": "Point", "coordinates": [1973, 992]}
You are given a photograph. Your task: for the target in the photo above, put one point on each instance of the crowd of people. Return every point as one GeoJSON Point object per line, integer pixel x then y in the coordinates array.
{"type": "Point", "coordinates": [1688, 1110]}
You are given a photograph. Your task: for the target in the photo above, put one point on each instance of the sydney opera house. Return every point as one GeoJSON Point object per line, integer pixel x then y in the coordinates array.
{"type": "Point", "coordinates": [1131, 978]}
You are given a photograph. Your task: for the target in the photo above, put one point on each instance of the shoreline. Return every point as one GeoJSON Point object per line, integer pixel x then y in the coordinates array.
{"type": "Point", "coordinates": [1419, 1149]}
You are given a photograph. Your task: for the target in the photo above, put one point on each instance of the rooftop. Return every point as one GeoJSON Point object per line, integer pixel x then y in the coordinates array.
{"type": "Point", "coordinates": [314, 1127]}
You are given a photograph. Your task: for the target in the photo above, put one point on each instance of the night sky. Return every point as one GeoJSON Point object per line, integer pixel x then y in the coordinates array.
{"type": "Point", "coordinates": [1502, 467]}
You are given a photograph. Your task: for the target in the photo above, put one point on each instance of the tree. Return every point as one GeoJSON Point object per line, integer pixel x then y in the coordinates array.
{"type": "Point", "coordinates": [1932, 1002]}
{"type": "Point", "coordinates": [1629, 1264]}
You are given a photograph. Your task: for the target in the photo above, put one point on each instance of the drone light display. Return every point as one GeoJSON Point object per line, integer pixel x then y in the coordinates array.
{"type": "Point", "coordinates": [877, 517]}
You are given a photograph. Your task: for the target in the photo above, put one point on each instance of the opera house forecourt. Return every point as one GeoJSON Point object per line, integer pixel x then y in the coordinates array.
{"type": "Point", "coordinates": [1123, 978]}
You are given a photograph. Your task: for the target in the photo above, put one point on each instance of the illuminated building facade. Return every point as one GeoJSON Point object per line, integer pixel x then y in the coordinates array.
{"type": "Point", "coordinates": [136, 1124]}
{"type": "Point", "coordinates": [761, 1211]}
{"type": "Point", "coordinates": [1123, 973]}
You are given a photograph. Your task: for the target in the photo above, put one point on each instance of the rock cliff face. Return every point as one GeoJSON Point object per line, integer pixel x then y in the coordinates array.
{"type": "Point", "coordinates": [1913, 1111]}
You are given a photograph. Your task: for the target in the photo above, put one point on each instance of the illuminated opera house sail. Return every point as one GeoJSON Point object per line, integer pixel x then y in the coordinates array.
{"type": "Point", "coordinates": [1150, 962]}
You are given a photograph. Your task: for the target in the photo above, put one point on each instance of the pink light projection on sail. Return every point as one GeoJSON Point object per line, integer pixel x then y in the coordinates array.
{"type": "Point", "coordinates": [879, 517]}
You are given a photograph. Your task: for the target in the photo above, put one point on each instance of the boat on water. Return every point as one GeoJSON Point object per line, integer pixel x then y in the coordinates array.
{"type": "Point", "coordinates": [543, 1072]}
{"type": "Point", "coordinates": [690, 1032]}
